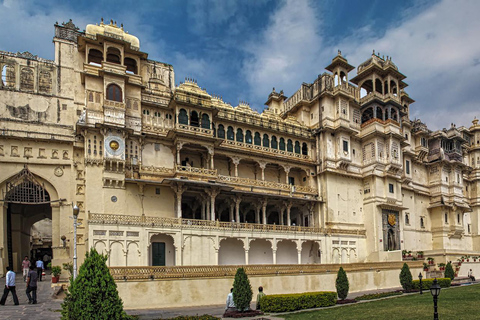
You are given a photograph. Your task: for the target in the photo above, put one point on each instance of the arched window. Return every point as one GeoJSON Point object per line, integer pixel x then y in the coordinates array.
{"type": "Point", "coordinates": [407, 219]}
{"type": "Point", "coordinates": [274, 142]}
{"type": "Point", "coordinates": [230, 134]}
{"type": "Point", "coordinates": [194, 119]}
{"type": "Point", "coordinates": [239, 135]}
{"type": "Point", "coordinates": [146, 112]}
{"type": "Point", "coordinates": [221, 131]}
{"type": "Point", "coordinates": [248, 137]}
{"type": "Point", "coordinates": [367, 115]}
{"type": "Point", "coordinates": [304, 149]}
{"type": "Point", "coordinates": [205, 121]}
{"type": "Point", "coordinates": [131, 65]}
{"type": "Point", "coordinates": [95, 57]}
{"type": "Point", "coordinates": [422, 223]}
{"type": "Point", "coordinates": [281, 145]}
{"type": "Point", "coordinates": [257, 140]}
{"type": "Point", "coordinates": [380, 113]}
{"type": "Point", "coordinates": [378, 86]}
{"type": "Point", "coordinates": [289, 145]}
{"type": "Point", "coordinates": [266, 141]}
{"type": "Point", "coordinates": [297, 147]}
{"type": "Point", "coordinates": [113, 55]}
{"type": "Point", "coordinates": [114, 93]}
{"type": "Point", "coordinates": [183, 117]}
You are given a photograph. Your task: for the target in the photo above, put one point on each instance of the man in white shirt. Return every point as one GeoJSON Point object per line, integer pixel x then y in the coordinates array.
{"type": "Point", "coordinates": [9, 286]}
{"type": "Point", "coordinates": [230, 304]}
{"type": "Point", "coordinates": [40, 268]}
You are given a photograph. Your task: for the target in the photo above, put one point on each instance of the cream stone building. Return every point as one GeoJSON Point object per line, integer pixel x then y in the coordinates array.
{"type": "Point", "coordinates": [172, 175]}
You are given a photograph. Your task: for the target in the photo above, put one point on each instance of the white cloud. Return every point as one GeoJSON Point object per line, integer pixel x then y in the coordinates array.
{"type": "Point", "coordinates": [437, 49]}
{"type": "Point", "coordinates": [286, 52]}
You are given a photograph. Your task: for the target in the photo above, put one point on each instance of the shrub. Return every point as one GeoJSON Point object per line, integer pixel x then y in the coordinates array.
{"type": "Point", "coordinates": [56, 271]}
{"type": "Point", "coordinates": [68, 266]}
{"type": "Point", "coordinates": [242, 290]}
{"type": "Point", "coordinates": [203, 317]}
{"type": "Point", "coordinates": [427, 283]}
{"type": "Point", "coordinates": [93, 294]}
{"type": "Point", "coordinates": [342, 284]}
{"type": "Point", "coordinates": [378, 295]}
{"type": "Point", "coordinates": [449, 273]}
{"type": "Point", "coordinates": [298, 301]}
{"type": "Point", "coordinates": [406, 278]}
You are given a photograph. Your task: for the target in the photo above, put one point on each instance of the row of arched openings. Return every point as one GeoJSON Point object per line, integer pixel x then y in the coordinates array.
{"type": "Point", "coordinates": [257, 139]}
{"type": "Point", "coordinates": [194, 119]}
{"type": "Point", "coordinates": [380, 113]}
{"type": "Point", "coordinates": [113, 56]}
{"type": "Point", "coordinates": [380, 87]}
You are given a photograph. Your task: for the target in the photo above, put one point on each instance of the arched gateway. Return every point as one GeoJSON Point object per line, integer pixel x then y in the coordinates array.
{"type": "Point", "coordinates": [25, 202]}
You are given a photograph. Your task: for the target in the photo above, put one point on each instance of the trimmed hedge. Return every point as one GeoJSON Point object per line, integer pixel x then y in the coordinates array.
{"type": "Point", "coordinates": [426, 283]}
{"type": "Point", "coordinates": [298, 301]}
{"type": "Point", "coordinates": [379, 295]}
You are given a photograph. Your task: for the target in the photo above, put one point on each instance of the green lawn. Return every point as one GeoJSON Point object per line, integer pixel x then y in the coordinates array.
{"type": "Point", "coordinates": [453, 303]}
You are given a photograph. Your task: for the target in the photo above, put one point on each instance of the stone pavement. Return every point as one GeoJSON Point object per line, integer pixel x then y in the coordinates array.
{"type": "Point", "coordinates": [45, 309]}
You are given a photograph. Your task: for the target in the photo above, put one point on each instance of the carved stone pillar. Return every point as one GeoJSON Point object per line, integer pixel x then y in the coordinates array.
{"type": "Point", "coordinates": [287, 171]}
{"type": "Point", "coordinates": [262, 166]}
{"type": "Point", "coordinates": [213, 194]}
{"type": "Point", "coordinates": [203, 209]}
{"type": "Point", "coordinates": [264, 211]}
{"type": "Point", "coordinates": [282, 210]}
{"type": "Point", "coordinates": [231, 209]}
{"type": "Point", "coordinates": [211, 153]}
{"type": "Point", "coordinates": [246, 245]}
{"type": "Point", "coordinates": [311, 211]}
{"type": "Point", "coordinates": [299, 251]}
{"type": "Point", "coordinates": [207, 208]}
{"type": "Point", "coordinates": [237, 200]}
{"type": "Point", "coordinates": [236, 162]}
{"type": "Point", "coordinates": [178, 188]}
{"type": "Point", "coordinates": [288, 205]}
{"type": "Point", "coordinates": [257, 214]}
{"type": "Point", "coordinates": [179, 147]}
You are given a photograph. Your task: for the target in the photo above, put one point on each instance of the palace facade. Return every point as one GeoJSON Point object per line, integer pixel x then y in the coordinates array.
{"type": "Point", "coordinates": [172, 175]}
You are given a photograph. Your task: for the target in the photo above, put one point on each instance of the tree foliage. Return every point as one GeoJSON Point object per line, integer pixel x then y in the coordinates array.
{"type": "Point", "coordinates": [242, 290]}
{"type": "Point", "coordinates": [93, 294]}
{"type": "Point", "coordinates": [449, 273]}
{"type": "Point", "coordinates": [406, 278]}
{"type": "Point", "coordinates": [342, 284]}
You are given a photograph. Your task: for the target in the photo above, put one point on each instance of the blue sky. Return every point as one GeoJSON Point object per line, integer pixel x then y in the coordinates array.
{"type": "Point", "coordinates": [241, 49]}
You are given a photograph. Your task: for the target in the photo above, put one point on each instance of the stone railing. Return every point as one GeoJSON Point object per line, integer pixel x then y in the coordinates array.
{"type": "Point", "coordinates": [196, 171]}
{"type": "Point", "coordinates": [194, 130]}
{"type": "Point", "coordinates": [191, 99]}
{"type": "Point", "coordinates": [114, 104]}
{"type": "Point", "coordinates": [266, 184]}
{"type": "Point", "coordinates": [347, 89]}
{"type": "Point", "coordinates": [156, 100]}
{"type": "Point", "coordinates": [182, 272]}
{"type": "Point", "coordinates": [252, 147]}
{"type": "Point", "coordinates": [192, 224]}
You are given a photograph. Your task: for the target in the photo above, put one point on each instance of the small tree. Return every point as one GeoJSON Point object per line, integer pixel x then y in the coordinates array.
{"type": "Point", "coordinates": [242, 290]}
{"type": "Point", "coordinates": [93, 294]}
{"type": "Point", "coordinates": [406, 278]}
{"type": "Point", "coordinates": [449, 273]}
{"type": "Point", "coordinates": [342, 284]}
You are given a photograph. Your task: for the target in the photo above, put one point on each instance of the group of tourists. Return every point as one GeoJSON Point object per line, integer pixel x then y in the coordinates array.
{"type": "Point", "coordinates": [231, 304]}
{"type": "Point", "coordinates": [32, 273]}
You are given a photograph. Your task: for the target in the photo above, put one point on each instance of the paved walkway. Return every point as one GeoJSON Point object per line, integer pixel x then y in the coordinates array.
{"type": "Point", "coordinates": [45, 309]}
{"type": "Point", "coordinates": [49, 308]}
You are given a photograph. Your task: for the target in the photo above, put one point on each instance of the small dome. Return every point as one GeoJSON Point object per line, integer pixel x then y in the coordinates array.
{"type": "Point", "coordinates": [117, 32]}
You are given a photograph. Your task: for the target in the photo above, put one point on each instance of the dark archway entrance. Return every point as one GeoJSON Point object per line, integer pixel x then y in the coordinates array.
{"type": "Point", "coordinates": [26, 202]}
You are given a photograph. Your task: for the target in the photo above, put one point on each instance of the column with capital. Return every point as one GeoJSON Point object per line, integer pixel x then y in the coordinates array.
{"type": "Point", "coordinates": [246, 244]}
{"type": "Point", "coordinates": [213, 192]}
{"type": "Point", "coordinates": [282, 211]}
{"type": "Point", "coordinates": [264, 210]}
{"type": "Point", "coordinates": [211, 153]}
{"type": "Point", "coordinates": [178, 188]}
{"type": "Point", "coordinates": [262, 165]}
{"type": "Point", "coordinates": [287, 171]}
{"type": "Point", "coordinates": [311, 211]}
{"type": "Point", "coordinates": [257, 212]}
{"type": "Point", "coordinates": [236, 162]}
{"type": "Point", "coordinates": [237, 200]}
{"type": "Point", "coordinates": [288, 205]}
{"type": "Point", "coordinates": [179, 147]}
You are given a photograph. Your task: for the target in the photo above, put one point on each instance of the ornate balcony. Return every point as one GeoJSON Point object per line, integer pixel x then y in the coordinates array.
{"type": "Point", "coordinates": [194, 130]}
{"type": "Point", "coordinates": [251, 147]}
{"type": "Point", "coordinates": [251, 183]}
{"type": "Point", "coordinates": [193, 171]}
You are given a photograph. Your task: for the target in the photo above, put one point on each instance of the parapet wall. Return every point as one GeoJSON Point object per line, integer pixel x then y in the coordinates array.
{"type": "Point", "coordinates": [197, 286]}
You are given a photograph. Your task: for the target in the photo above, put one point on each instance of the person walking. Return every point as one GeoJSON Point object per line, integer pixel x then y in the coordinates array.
{"type": "Point", "coordinates": [230, 303]}
{"type": "Point", "coordinates": [9, 286]}
{"type": "Point", "coordinates": [25, 267]}
{"type": "Point", "coordinates": [260, 295]}
{"type": "Point", "coordinates": [40, 268]}
{"type": "Point", "coordinates": [32, 286]}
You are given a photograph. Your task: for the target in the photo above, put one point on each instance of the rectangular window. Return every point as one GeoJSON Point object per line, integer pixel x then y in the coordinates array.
{"type": "Point", "coordinates": [157, 190]}
{"type": "Point", "coordinates": [390, 188]}
{"type": "Point", "coordinates": [407, 166]}
{"type": "Point", "coordinates": [291, 180]}
{"type": "Point", "coordinates": [345, 146]}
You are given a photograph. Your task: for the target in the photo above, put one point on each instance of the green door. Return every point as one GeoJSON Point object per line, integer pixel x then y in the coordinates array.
{"type": "Point", "coordinates": [158, 253]}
